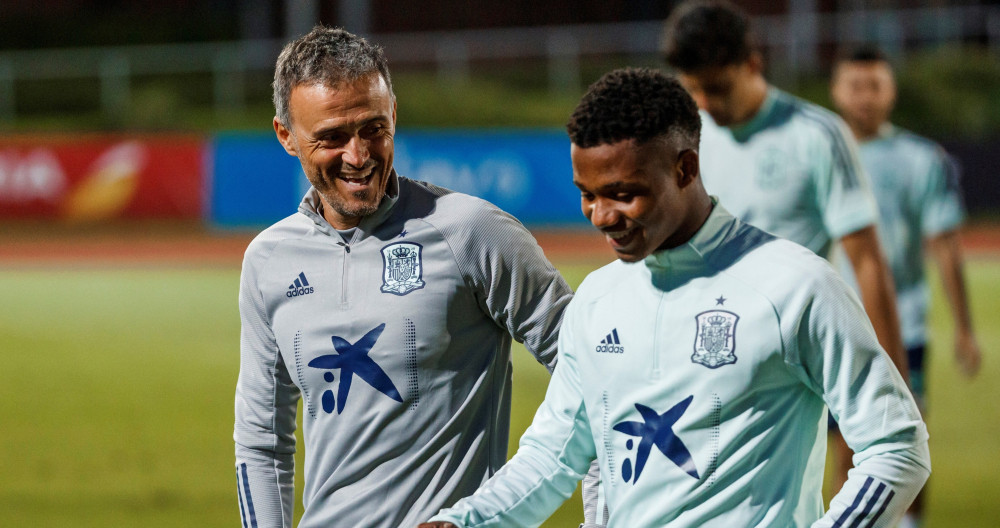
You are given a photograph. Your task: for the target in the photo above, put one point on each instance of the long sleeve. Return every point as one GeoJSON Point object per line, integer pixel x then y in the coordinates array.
{"type": "Point", "coordinates": [554, 454]}
{"type": "Point", "coordinates": [516, 285]}
{"type": "Point", "coordinates": [265, 414]}
{"type": "Point", "coordinates": [836, 347]}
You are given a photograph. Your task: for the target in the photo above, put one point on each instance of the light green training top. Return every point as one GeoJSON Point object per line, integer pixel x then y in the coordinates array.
{"type": "Point", "coordinates": [699, 379]}
{"type": "Point", "coordinates": [792, 170]}
{"type": "Point", "coordinates": [916, 185]}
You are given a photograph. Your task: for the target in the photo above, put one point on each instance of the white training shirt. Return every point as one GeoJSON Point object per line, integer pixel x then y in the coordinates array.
{"type": "Point", "coordinates": [699, 378]}
{"type": "Point", "coordinates": [792, 170]}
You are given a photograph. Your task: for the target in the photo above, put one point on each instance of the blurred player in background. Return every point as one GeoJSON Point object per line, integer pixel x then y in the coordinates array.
{"type": "Point", "coordinates": [708, 410]}
{"type": "Point", "coordinates": [920, 208]}
{"type": "Point", "coordinates": [387, 305]}
{"type": "Point", "coordinates": [780, 163]}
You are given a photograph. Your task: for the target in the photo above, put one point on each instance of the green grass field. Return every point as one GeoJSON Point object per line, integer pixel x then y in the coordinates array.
{"type": "Point", "coordinates": [117, 400]}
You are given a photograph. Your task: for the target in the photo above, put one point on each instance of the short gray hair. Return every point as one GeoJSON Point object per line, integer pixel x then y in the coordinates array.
{"type": "Point", "coordinates": [324, 55]}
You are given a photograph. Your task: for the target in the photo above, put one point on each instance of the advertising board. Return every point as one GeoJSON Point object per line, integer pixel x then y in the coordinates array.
{"type": "Point", "coordinates": [90, 179]}
{"type": "Point", "coordinates": [524, 172]}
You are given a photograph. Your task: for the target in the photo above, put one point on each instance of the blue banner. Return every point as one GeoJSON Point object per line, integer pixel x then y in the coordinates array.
{"type": "Point", "coordinates": [524, 172]}
{"type": "Point", "coordinates": [254, 181]}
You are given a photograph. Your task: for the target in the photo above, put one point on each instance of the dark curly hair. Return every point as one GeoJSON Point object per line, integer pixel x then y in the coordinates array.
{"type": "Point", "coordinates": [632, 103]}
{"type": "Point", "coordinates": [708, 34]}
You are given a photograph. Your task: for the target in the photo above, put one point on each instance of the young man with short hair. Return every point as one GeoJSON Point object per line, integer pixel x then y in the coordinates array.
{"type": "Point", "coordinates": [920, 209]}
{"type": "Point", "coordinates": [729, 343]}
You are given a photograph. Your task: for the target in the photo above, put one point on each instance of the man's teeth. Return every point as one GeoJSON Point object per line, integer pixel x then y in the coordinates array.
{"type": "Point", "coordinates": [618, 235]}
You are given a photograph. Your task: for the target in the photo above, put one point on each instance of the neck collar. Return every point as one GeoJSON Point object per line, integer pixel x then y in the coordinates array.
{"type": "Point", "coordinates": [760, 119]}
{"type": "Point", "coordinates": [690, 256]}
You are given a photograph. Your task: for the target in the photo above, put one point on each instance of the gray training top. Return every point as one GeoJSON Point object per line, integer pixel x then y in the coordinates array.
{"type": "Point", "coordinates": [398, 343]}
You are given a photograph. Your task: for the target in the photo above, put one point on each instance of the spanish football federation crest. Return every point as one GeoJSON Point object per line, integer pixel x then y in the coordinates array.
{"type": "Point", "coordinates": [715, 342]}
{"type": "Point", "coordinates": [402, 270]}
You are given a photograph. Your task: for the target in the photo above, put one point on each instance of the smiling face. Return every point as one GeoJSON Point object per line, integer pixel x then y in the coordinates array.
{"type": "Point", "coordinates": [343, 137]}
{"type": "Point", "coordinates": [642, 197]}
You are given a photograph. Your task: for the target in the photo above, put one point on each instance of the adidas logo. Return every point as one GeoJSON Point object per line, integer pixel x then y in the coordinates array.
{"type": "Point", "coordinates": [299, 287]}
{"type": "Point", "coordinates": [611, 344]}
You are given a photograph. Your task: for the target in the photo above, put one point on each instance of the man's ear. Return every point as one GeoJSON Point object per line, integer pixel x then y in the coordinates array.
{"type": "Point", "coordinates": [687, 167]}
{"type": "Point", "coordinates": [284, 137]}
{"type": "Point", "coordinates": [755, 62]}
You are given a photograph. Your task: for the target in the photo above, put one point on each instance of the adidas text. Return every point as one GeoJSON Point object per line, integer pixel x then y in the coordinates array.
{"type": "Point", "coordinates": [300, 286]}
{"type": "Point", "coordinates": [610, 349]}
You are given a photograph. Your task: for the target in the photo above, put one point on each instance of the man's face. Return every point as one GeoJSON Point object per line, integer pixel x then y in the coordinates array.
{"type": "Point", "coordinates": [864, 93]}
{"type": "Point", "coordinates": [630, 193]}
{"type": "Point", "coordinates": [343, 137]}
{"type": "Point", "coordinates": [724, 91]}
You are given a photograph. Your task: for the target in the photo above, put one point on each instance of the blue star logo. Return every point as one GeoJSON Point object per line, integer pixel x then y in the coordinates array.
{"type": "Point", "coordinates": [721, 301]}
{"type": "Point", "coordinates": [353, 360]}
{"type": "Point", "coordinates": [656, 430]}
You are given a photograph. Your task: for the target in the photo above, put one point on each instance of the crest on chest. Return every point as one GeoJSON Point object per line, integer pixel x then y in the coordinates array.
{"type": "Point", "coordinates": [402, 269]}
{"type": "Point", "coordinates": [715, 340]}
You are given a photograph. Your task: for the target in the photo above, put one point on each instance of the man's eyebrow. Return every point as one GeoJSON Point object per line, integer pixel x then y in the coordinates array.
{"type": "Point", "coordinates": [619, 186]}
{"type": "Point", "coordinates": [616, 186]}
{"type": "Point", "coordinates": [347, 126]}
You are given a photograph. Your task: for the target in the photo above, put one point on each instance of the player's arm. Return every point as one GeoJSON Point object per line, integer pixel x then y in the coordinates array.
{"type": "Point", "coordinates": [533, 313]}
{"type": "Point", "coordinates": [554, 454]}
{"type": "Point", "coordinates": [840, 354]}
{"type": "Point", "coordinates": [515, 284]}
{"type": "Point", "coordinates": [877, 291]}
{"type": "Point", "coordinates": [941, 216]}
{"type": "Point", "coordinates": [850, 214]}
{"type": "Point", "coordinates": [265, 416]}
{"type": "Point", "coordinates": [946, 252]}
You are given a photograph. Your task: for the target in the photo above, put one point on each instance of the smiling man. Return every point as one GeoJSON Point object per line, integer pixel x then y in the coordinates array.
{"type": "Point", "coordinates": [710, 411]}
{"type": "Point", "coordinates": [386, 305]}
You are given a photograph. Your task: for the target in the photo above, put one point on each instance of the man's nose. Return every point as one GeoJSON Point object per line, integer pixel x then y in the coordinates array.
{"type": "Point", "coordinates": [356, 152]}
{"type": "Point", "coordinates": [603, 214]}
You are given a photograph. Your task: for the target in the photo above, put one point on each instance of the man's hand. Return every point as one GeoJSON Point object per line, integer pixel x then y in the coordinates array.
{"type": "Point", "coordinates": [947, 251]}
{"type": "Point", "coordinates": [967, 354]}
{"type": "Point", "coordinates": [437, 524]}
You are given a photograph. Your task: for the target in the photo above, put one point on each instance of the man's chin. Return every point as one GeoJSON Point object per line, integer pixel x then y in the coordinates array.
{"type": "Point", "coordinates": [628, 256]}
{"type": "Point", "coordinates": [356, 207]}
{"type": "Point", "coordinates": [360, 210]}
{"type": "Point", "coordinates": [720, 121]}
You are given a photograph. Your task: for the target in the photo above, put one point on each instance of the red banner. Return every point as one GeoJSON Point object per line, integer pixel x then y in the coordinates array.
{"type": "Point", "coordinates": [100, 178]}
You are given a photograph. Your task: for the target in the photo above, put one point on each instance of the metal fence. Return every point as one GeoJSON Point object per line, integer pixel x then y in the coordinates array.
{"type": "Point", "coordinates": [793, 42]}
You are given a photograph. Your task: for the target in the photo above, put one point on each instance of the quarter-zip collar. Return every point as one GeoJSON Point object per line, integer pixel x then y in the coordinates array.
{"type": "Point", "coordinates": [310, 206]}
{"type": "Point", "coordinates": [673, 267]}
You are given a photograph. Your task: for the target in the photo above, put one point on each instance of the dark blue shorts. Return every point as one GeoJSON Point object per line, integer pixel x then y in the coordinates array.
{"type": "Point", "coordinates": [915, 356]}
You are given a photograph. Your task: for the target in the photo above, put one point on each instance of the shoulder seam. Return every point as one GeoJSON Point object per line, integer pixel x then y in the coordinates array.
{"type": "Point", "coordinates": [841, 150]}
